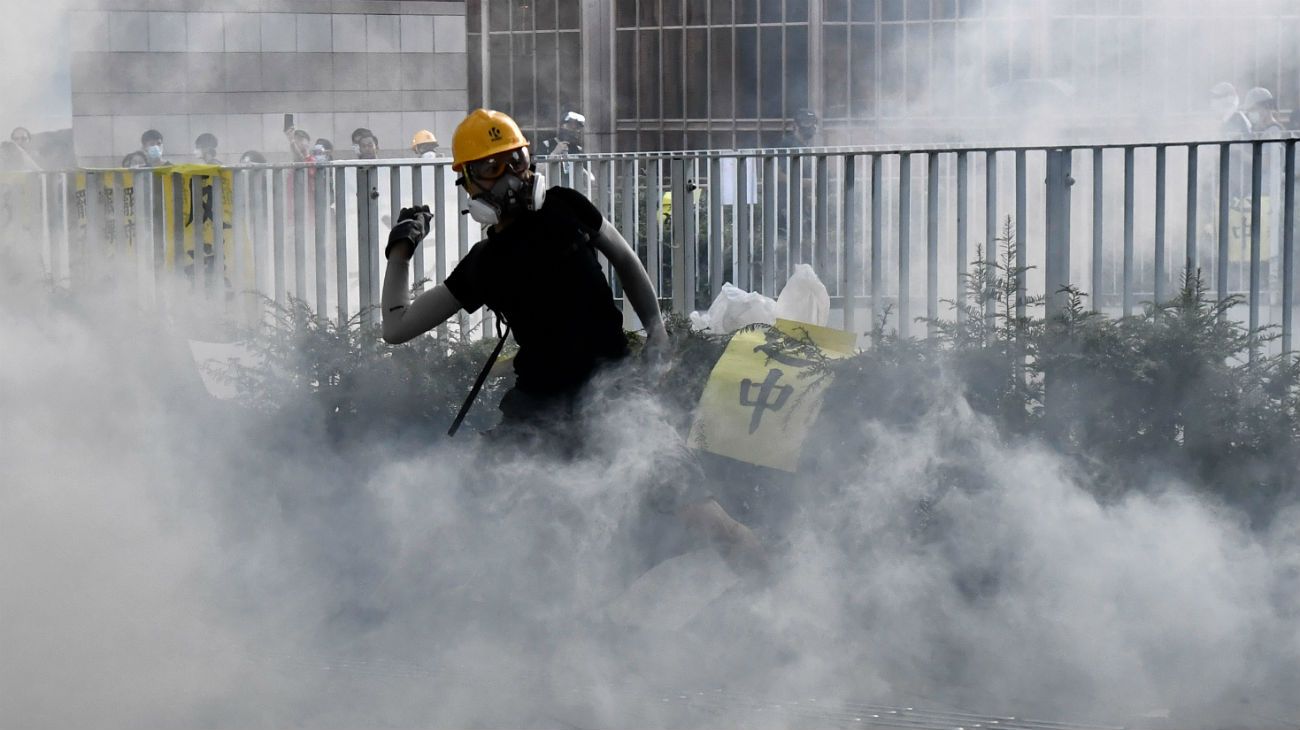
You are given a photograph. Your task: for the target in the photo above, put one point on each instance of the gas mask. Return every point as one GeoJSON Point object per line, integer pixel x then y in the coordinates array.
{"type": "Point", "coordinates": [510, 193]}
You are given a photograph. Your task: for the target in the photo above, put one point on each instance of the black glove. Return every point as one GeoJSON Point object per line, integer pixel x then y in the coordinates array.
{"type": "Point", "coordinates": [411, 227]}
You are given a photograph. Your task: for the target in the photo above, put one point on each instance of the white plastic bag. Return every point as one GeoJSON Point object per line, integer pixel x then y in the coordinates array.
{"type": "Point", "coordinates": [734, 308]}
{"type": "Point", "coordinates": [804, 298]}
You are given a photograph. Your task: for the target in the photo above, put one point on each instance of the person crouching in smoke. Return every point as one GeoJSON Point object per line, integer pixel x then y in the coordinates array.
{"type": "Point", "coordinates": [538, 271]}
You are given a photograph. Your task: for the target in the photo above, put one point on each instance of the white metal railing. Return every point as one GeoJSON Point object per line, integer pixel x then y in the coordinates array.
{"type": "Point", "coordinates": [891, 231]}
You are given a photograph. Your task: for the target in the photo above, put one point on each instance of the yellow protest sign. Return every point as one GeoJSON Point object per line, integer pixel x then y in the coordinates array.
{"type": "Point", "coordinates": [765, 392]}
{"type": "Point", "coordinates": [1239, 229]}
{"type": "Point", "coordinates": [116, 211]}
{"type": "Point", "coordinates": [192, 227]}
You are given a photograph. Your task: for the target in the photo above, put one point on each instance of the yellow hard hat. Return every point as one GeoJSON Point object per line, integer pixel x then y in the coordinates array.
{"type": "Point", "coordinates": [484, 133]}
{"type": "Point", "coordinates": [423, 136]}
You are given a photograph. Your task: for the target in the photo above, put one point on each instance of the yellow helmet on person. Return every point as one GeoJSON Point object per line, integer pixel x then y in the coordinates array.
{"type": "Point", "coordinates": [423, 136]}
{"type": "Point", "coordinates": [482, 134]}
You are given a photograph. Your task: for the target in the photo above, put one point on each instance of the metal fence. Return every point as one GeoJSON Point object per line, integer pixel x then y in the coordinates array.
{"type": "Point", "coordinates": [891, 232]}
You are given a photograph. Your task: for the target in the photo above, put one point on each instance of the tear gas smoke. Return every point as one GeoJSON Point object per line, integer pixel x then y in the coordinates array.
{"type": "Point", "coordinates": [168, 557]}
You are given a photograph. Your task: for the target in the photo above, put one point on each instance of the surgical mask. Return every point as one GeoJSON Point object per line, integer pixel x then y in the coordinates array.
{"type": "Point", "coordinates": [154, 151]}
{"type": "Point", "coordinates": [428, 155]}
{"type": "Point", "coordinates": [508, 193]}
{"type": "Point", "coordinates": [356, 149]}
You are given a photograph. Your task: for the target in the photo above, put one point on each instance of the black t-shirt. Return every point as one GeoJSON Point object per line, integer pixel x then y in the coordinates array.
{"type": "Point", "coordinates": [541, 273]}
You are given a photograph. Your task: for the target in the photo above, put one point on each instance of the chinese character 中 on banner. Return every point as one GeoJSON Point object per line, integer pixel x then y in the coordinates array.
{"type": "Point", "coordinates": [763, 395]}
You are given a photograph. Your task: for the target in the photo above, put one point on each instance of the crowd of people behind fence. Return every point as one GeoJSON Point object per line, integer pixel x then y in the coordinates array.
{"type": "Point", "coordinates": [1253, 114]}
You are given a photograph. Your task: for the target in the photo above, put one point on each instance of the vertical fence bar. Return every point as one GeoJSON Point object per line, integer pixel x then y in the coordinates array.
{"type": "Point", "coordinates": [877, 242]}
{"type": "Point", "coordinates": [1022, 224]}
{"type": "Point", "coordinates": [1288, 244]}
{"type": "Point", "coordinates": [341, 242]}
{"type": "Point", "coordinates": [440, 240]}
{"type": "Point", "coordinates": [217, 201]}
{"type": "Point", "coordinates": [653, 180]}
{"type": "Point", "coordinates": [488, 327]}
{"type": "Point", "coordinates": [198, 254]}
{"type": "Point", "coordinates": [744, 252]}
{"type": "Point", "coordinates": [932, 243]}
{"type": "Point", "coordinates": [1057, 275]}
{"type": "Point", "coordinates": [1160, 254]}
{"type": "Point", "coordinates": [963, 221]}
{"type": "Point", "coordinates": [677, 186]}
{"type": "Point", "coordinates": [417, 199]}
{"type": "Point", "coordinates": [177, 256]}
{"type": "Point", "coordinates": [1098, 208]}
{"type": "Point", "coordinates": [797, 212]}
{"type": "Point", "coordinates": [300, 233]}
{"type": "Point", "coordinates": [367, 227]}
{"type": "Point", "coordinates": [769, 226]}
{"type": "Point", "coordinates": [1256, 191]}
{"type": "Point", "coordinates": [394, 194]}
{"type": "Point", "coordinates": [1128, 231]}
{"type": "Point", "coordinates": [121, 255]}
{"type": "Point", "coordinates": [1221, 262]}
{"type": "Point", "coordinates": [92, 254]}
{"type": "Point", "coordinates": [1191, 257]}
{"type": "Point", "coordinates": [322, 180]}
{"type": "Point", "coordinates": [821, 219]}
{"type": "Point", "coordinates": [628, 226]}
{"type": "Point", "coordinates": [904, 243]}
{"type": "Point", "coordinates": [239, 229]}
{"type": "Point", "coordinates": [990, 226]}
{"type": "Point", "coordinates": [716, 265]}
{"type": "Point", "coordinates": [849, 260]}
{"type": "Point", "coordinates": [260, 202]}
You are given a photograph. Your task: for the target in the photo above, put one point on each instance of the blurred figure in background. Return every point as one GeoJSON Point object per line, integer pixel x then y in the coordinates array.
{"type": "Point", "coordinates": [23, 154]}
{"type": "Point", "coordinates": [14, 159]}
{"type": "Point", "coordinates": [135, 160]}
{"type": "Point", "coordinates": [1225, 103]}
{"type": "Point", "coordinates": [151, 144]}
{"type": "Point", "coordinates": [424, 145]}
{"type": "Point", "coordinates": [322, 151]}
{"type": "Point", "coordinates": [252, 157]}
{"type": "Point", "coordinates": [803, 130]}
{"type": "Point", "coordinates": [568, 138]}
{"type": "Point", "coordinates": [205, 148]}
{"type": "Point", "coordinates": [357, 135]}
{"type": "Point", "coordinates": [299, 144]}
{"type": "Point", "coordinates": [366, 144]}
{"type": "Point", "coordinates": [1261, 112]}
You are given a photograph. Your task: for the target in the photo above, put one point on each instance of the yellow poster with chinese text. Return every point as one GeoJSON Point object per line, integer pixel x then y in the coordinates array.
{"type": "Point", "coordinates": [765, 392]}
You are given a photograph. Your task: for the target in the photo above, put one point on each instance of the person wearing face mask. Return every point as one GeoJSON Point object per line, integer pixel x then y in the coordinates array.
{"type": "Point", "coordinates": [568, 141]}
{"type": "Point", "coordinates": [424, 145]}
{"type": "Point", "coordinates": [322, 151]}
{"type": "Point", "coordinates": [205, 148]}
{"type": "Point", "coordinates": [539, 271]}
{"type": "Point", "coordinates": [151, 144]}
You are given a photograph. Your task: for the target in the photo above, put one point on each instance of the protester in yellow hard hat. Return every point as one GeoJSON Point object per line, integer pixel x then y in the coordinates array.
{"type": "Point", "coordinates": [539, 271]}
{"type": "Point", "coordinates": [424, 144]}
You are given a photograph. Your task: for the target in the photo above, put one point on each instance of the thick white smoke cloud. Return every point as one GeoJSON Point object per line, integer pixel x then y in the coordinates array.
{"type": "Point", "coordinates": [169, 557]}
{"type": "Point", "coordinates": [166, 559]}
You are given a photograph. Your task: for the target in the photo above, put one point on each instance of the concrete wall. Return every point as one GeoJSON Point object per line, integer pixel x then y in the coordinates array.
{"type": "Point", "coordinates": [235, 67]}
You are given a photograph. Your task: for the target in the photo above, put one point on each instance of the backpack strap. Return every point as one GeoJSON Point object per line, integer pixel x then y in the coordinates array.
{"type": "Point", "coordinates": [503, 331]}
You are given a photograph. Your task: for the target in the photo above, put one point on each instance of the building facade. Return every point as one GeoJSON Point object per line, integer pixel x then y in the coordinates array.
{"type": "Point", "coordinates": [236, 67]}
{"type": "Point", "coordinates": [684, 74]}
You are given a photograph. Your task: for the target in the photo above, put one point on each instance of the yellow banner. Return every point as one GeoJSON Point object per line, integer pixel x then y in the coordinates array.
{"type": "Point", "coordinates": [1239, 229]}
{"type": "Point", "coordinates": [119, 212]}
{"type": "Point", "coordinates": [765, 392]}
